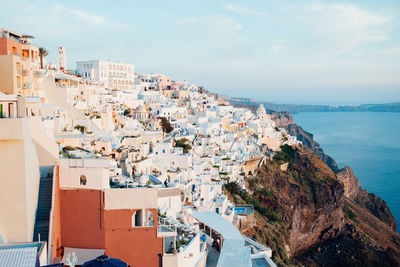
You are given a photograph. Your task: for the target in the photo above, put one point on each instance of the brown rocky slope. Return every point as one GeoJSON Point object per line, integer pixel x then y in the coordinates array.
{"type": "Point", "coordinates": [285, 120]}
{"type": "Point", "coordinates": [309, 217]}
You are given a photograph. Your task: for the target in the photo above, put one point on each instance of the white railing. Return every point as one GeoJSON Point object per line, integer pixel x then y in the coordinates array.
{"type": "Point", "coordinates": [164, 225]}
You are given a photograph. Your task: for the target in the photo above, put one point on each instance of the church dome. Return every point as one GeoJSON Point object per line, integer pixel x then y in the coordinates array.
{"type": "Point", "coordinates": [140, 109]}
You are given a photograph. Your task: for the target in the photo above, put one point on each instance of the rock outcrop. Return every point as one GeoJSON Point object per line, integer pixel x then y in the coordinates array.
{"type": "Point", "coordinates": [311, 216]}
{"type": "Point", "coordinates": [285, 120]}
{"type": "Point", "coordinates": [370, 201]}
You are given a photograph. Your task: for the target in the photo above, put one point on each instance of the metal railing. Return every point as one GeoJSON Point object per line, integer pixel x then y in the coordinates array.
{"type": "Point", "coordinates": [164, 225]}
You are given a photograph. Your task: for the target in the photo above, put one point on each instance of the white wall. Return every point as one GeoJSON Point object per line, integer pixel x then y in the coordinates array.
{"type": "Point", "coordinates": [130, 198]}
{"type": "Point", "coordinates": [96, 178]}
{"type": "Point", "coordinates": [19, 181]}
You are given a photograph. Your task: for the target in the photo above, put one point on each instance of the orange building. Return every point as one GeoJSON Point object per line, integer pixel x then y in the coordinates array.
{"type": "Point", "coordinates": [19, 64]}
{"type": "Point", "coordinates": [107, 219]}
{"type": "Point", "coordinates": [10, 46]}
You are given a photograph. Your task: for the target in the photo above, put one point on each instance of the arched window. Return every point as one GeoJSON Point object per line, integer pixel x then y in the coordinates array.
{"type": "Point", "coordinates": [82, 180]}
{"type": "Point", "coordinates": [143, 218]}
{"type": "Point", "coordinates": [138, 218]}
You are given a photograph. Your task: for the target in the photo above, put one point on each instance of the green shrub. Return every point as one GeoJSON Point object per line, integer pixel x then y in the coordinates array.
{"type": "Point", "coordinates": [183, 143]}
{"type": "Point", "coordinates": [285, 155]}
{"type": "Point", "coordinates": [348, 212]}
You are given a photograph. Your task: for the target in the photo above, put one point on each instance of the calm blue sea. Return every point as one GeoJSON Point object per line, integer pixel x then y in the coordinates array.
{"type": "Point", "coordinates": [368, 142]}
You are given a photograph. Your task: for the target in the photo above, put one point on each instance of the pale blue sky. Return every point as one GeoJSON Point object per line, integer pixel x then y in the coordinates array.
{"type": "Point", "coordinates": [338, 52]}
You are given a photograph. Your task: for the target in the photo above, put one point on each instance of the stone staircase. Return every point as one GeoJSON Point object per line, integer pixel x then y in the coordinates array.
{"type": "Point", "coordinates": [44, 207]}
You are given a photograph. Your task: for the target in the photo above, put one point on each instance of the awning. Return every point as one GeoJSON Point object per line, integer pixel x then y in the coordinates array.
{"type": "Point", "coordinates": [18, 257]}
{"type": "Point", "coordinates": [233, 253]}
{"type": "Point", "coordinates": [83, 255]}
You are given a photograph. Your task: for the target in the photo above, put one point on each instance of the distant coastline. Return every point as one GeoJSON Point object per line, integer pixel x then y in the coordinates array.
{"type": "Point", "coordinates": [294, 108]}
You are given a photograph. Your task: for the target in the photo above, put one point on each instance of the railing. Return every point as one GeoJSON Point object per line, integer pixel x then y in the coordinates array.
{"type": "Point", "coordinates": [165, 225]}
{"type": "Point", "coordinates": [37, 74]}
{"type": "Point", "coordinates": [26, 85]}
{"type": "Point", "coordinates": [25, 72]}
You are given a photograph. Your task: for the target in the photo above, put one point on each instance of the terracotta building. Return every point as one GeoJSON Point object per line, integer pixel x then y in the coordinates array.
{"type": "Point", "coordinates": [123, 222]}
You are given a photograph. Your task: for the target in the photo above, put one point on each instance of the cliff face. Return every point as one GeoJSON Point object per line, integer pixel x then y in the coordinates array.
{"type": "Point", "coordinates": [361, 197]}
{"type": "Point", "coordinates": [311, 216]}
{"type": "Point", "coordinates": [307, 199]}
{"type": "Point", "coordinates": [285, 120]}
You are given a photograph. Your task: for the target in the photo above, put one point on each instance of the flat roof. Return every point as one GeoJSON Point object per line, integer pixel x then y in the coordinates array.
{"type": "Point", "coordinates": [233, 252]}
{"type": "Point", "coordinates": [20, 254]}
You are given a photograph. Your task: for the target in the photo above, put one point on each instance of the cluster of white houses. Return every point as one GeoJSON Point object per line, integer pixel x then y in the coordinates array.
{"type": "Point", "coordinates": [97, 172]}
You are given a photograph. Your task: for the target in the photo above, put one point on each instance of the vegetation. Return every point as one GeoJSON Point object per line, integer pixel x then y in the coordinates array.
{"type": "Point", "coordinates": [201, 89]}
{"type": "Point", "coordinates": [285, 155]}
{"type": "Point", "coordinates": [348, 212]}
{"type": "Point", "coordinates": [68, 148]}
{"type": "Point", "coordinates": [166, 125]}
{"type": "Point", "coordinates": [183, 143]}
{"type": "Point", "coordinates": [80, 128]}
{"type": "Point", "coordinates": [264, 192]}
{"type": "Point", "coordinates": [42, 53]}
{"type": "Point", "coordinates": [133, 171]}
{"type": "Point", "coordinates": [128, 112]}
{"type": "Point", "coordinates": [234, 188]}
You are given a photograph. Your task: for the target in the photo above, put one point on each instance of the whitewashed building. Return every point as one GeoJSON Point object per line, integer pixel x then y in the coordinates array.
{"type": "Point", "coordinates": [114, 75]}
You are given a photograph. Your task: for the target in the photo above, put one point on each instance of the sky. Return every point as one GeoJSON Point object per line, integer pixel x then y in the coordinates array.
{"type": "Point", "coordinates": [304, 52]}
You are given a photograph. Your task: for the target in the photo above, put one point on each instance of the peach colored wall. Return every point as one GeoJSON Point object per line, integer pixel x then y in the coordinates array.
{"type": "Point", "coordinates": [164, 81]}
{"type": "Point", "coordinates": [81, 218]}
{"type": "Point", "coordinates": [85, 224]}
{"type": "Point", "coordinates": [56, 220]}
{"type": "Point", "coordinates": [6, 46]}
{"type": "Point", "coordinates": [137, 246]}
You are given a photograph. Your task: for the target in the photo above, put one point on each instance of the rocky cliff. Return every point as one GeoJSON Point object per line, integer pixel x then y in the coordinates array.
{"type": "Point", "coordinates": [285, 120]}
{"type": "Point", "coordinates": [361, 197]}
{"type": "Point", "coordinates": [314, 214]}
{"type": "Point", "coordinates": [311, 216]}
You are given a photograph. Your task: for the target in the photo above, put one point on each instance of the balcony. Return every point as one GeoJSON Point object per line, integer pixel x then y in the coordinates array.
{"type": "Point", "coordinates": [166, 228]}
{"type": "Point", "coordinates": [37, 74]}
{"type": "Point", "coordinates": [25, 72]}
{"type": "Point", "coordinates": [27, 85]}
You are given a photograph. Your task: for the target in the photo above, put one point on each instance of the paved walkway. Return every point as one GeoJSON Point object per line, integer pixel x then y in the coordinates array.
{"type": "Point", "coordinates": [212, 256]}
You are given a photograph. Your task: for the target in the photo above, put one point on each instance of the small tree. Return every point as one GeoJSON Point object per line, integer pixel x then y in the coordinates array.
{"type": "Point", "coordinates": [184, 144]}
{"type": "Point", "coordinates": [165, 125]}
{"type": "Point", "coordinates": [42, 53]}
{"type": "Point", "coordinates": [201, 89]}
{"type": "Point", "coordinates": [133, 171]}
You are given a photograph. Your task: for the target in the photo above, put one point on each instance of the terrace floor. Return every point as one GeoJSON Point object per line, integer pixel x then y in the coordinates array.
{"type": "Point", "coordinates": [212, 256]}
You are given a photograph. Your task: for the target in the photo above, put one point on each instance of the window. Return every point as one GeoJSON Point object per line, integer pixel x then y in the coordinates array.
{"type": "Point", "coordinates": [143, 218]}
{"type": "Point", "coordinates": [83, 180]}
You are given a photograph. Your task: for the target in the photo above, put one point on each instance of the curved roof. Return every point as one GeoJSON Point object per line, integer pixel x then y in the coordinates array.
{"type": "Point", "coordinates": [234, 253]}
{"type": "Point", "coordinates": [140, 109]}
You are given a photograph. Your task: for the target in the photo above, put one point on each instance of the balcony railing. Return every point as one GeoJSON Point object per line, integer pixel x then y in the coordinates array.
{"type": "Point", "coordinates": [27, 85]}
{"type": "Point", "coordinates": [37, 74]}
{"type": "Point", "coordinates": [165, 226]}
{"type": "Point", "coordinates": [25, 72]}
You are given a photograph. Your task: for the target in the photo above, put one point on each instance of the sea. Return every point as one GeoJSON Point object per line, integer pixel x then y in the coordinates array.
{"type": "Point", "coordinates": [368, 142]}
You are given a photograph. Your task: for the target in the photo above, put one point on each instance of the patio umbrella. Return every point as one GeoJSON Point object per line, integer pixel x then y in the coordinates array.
{"type": "Point", "coordinates": [104, 261]}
